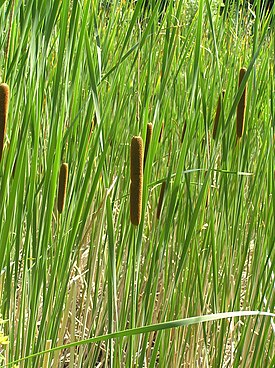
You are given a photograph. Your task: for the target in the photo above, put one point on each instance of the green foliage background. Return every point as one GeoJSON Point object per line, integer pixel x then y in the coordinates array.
{"type": "Point", "coordinates": [84, 78]}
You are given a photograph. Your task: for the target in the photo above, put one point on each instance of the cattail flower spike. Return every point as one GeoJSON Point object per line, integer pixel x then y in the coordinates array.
{"type": "Point", "coordinates": [63, 179]}
{"type": "Point", "coordinates": [4, 105]}
{"type": "Point", "coordinates": [136, 180]}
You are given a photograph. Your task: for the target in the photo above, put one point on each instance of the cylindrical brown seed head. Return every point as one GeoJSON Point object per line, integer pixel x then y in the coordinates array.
{"type": "Point", "coordinates": [241, 106]}
{"type": "Point", "coordinates": [4, 104]}
{"type": "Point", "coordinates": [136, 180]}
{"type": "Point", "coordinates": [148, 140]}
{"type": "Point", "coordinates": [161, 196]}
{"type": "Point", "coordinates": [63, 179]}
{"type": "Point", "coordinates": [217, 116]}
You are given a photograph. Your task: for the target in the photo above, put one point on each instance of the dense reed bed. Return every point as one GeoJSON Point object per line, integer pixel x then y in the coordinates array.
{"type": "Point", "coordinates": [179, 271]}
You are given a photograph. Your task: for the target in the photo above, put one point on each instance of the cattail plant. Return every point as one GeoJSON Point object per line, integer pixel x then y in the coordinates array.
{"type": "Point", "coordinates": [161, 196]}
{"type": "Point", "coordinates": [218, 112]}
{"type": "Point", "coordinates": [241, 106]}
{"type": "Point", "coordinates": [63, 179]}
{"type": "Point", "coordinates": [136, 180]}
{"type": "Point", "coordinates": [4, 104]}
{"type": "Point", "coordinates": [148, 140]}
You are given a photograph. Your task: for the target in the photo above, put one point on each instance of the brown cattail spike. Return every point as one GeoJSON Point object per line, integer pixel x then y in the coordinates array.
{"type": "Point", "coordinates": [136, 180]}
{"type": "Point", "coordinates": [241, 106]}
{"type": "Point", "coordinates": [148, 140]}
{"type": "Point", "coordinates": [4, 104]}
{"type": "Point", "coordinates": [217, 116]}
{"type": "Point", "coordinates": [63, 179]}
{"type": "Point", "coordinates": [161, 196]}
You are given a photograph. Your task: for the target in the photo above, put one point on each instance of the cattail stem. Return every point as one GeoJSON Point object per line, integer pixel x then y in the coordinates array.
{"type": "Point", "coordinates": [46, 359]}
{"type": "Point", "coordinates": [136, 180]}
{"type": "Point", "coordinates": [217, 116]}
{"type": "Point", "coordinates": [63, 179]}
{"type": "Point", "coordinates": [148, 140]}
{"type": "Point", "coordinates": [161, 196]}
{"type": "Point", "coordinates": [4, 105]}
{"type": "Point", "coordinates": [241, 106]}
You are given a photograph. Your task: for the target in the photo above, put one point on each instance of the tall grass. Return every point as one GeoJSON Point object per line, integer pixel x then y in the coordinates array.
{"type": "Point", "coordinates": [87, 286]}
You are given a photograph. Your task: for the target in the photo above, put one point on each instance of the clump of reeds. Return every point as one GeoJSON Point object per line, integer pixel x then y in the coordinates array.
{"type": "Point", "coordinates": [136, 180]}
{"type": "Point", "coordinates": [4, 104]}
{"type": "Point", "coordinates": [241, 106]}
{"type": "Point", "coordinates": [63, 179]}
{"type": "Point", "coordinates": [218, 112]}
{"type": "Point", "coordinates": [161, 196]}
{"type": "Point", "coordinates": [149, 133]}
